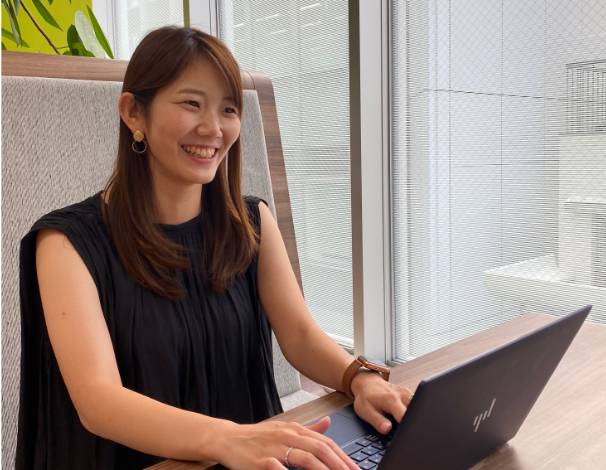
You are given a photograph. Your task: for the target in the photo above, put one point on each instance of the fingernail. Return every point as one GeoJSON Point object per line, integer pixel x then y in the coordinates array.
{"type": "Point", "coordinates": [386, 427]}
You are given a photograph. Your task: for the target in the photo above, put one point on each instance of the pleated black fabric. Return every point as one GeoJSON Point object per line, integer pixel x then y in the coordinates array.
{"type": "Point", "coordinates": [209, 353]}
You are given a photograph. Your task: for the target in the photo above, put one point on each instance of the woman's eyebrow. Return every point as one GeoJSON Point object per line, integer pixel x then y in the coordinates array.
{"type": "Point", "coordinates": [194, 91]}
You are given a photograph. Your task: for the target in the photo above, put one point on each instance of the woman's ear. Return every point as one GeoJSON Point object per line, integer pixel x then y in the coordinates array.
{"type": "Point", "coordinates": [131, 112]}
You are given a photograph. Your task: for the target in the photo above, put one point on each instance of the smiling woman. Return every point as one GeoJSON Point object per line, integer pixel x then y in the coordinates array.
{"type": "Point", "coordinates": [140, 285]}
{"type": "Point", "coordinates": [190, 126]}
{"type": "Point", "coordinates": [175, 93]}
{"type": "Point", "coordinates": [148, 307]}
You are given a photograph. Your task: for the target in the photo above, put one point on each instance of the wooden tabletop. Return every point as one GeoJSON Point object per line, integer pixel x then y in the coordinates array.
{"type": "Point", "coordinates": [566, 429]}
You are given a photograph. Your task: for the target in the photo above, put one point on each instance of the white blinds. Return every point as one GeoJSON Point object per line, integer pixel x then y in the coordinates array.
{"type": "Point", "coordinates": [135, 18]}
{"type": "Point", "coordinates": [303, 47]}
{"type": "Point", "coordinates": [499, 137]}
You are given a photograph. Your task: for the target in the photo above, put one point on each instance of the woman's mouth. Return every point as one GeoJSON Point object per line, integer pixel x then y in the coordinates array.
{"type": "Point", "coordinates": [203, 153]}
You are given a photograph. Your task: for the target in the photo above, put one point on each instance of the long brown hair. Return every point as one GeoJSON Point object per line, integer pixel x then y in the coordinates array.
{"type": "Point", "coordinates": [147, 254]}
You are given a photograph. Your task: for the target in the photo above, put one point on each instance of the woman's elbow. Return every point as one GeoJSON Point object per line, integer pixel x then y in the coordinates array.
{"type": "Point", "coordinates": [88, 407]}
{"type": "Point", "coordinates": [85, 423]}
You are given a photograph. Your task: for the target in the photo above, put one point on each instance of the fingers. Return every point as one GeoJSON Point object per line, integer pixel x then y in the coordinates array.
{"type": "Point", "coordinates": [321, 425]}
{"type": "Point", "coordinates": [274, 445]}
{"type": "Point", "coordinates": [323, 452]}
{"type": "Point", "coordinates": [397, 403]}
{"type": "Point", "coordinates": [407, 395]}
{"type": "Point", "coordinates": [392, 402]}
{"type": "Point", "coordinates": [396, 409]}
{"type": "Point", "coordinates": [306, 460]}
{"type": "Point", "coordinates": [324, 449]}
{"type": "Point", "coordinates": [273, 464]}
{"type": "Point", "coordinates": [376, 419]}
{"type": "Point", "coordinates": [337, 450]}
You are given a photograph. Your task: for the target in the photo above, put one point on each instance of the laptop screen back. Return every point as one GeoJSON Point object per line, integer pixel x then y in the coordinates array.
{"type": "Point", "coordinates": [462, 415]}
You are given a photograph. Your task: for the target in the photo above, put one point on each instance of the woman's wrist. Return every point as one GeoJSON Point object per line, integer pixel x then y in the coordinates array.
{"type": "Point", "coordinates": [218, 439]}
{"type": "Point", "coordinates": [361, 378]}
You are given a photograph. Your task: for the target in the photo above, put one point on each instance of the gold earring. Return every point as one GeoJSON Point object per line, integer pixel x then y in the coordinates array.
{"type": "Point", "coordinates": [139, 145]}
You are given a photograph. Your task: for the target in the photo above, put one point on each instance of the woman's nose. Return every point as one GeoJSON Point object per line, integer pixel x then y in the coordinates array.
{"type": "Point", "coordinates": [210, 125]}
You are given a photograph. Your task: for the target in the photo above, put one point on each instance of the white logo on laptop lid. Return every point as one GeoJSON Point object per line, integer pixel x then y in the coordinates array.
{"type": "Point", "coordinates": [483, 416]}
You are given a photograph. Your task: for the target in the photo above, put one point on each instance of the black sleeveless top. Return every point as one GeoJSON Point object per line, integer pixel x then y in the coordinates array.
{"type": "Point", "coordinates": [208, 353]}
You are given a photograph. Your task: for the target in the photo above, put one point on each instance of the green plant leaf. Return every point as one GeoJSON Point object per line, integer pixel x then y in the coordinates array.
{"type": "Point", "coordinates": [44, 13]}
{"type": "Point", "coordinates": [99, 33]}
{"type": "Point", "coordinates": [8, 35]}
{"type": "Point", "coordinates": [17, 5]}
{"type": "Point", "coordinates": [3, 46]}
{"type": "Point", "coordinates": [75, 44]}
{"type": "Point", "coordinates": [12, 17]}
{"type": "Point", "coordinates": [87, 34]}
{"type": "Point", "coordinates": [73, 40]}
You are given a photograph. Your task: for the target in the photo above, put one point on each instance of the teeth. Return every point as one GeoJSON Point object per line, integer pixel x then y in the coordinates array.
{"type": "Point", "coordinates": [202, 152]}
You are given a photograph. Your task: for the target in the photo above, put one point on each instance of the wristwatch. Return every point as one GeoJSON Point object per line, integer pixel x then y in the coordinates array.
{"type": "Point", "coordinates": [362, 363]}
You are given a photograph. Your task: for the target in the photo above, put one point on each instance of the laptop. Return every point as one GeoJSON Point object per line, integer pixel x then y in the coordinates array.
{"type": "Point", "coordinates": [462, 415]}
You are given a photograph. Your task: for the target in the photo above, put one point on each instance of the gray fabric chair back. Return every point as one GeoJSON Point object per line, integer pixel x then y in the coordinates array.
{"type": "Point", "coordinates": [59, 141]}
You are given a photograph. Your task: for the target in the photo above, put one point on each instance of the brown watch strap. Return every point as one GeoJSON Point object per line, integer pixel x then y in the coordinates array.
{"type": "Point", "coordinates": [353, 369]}
{"type": "Point", "coordinates": [348, 375]}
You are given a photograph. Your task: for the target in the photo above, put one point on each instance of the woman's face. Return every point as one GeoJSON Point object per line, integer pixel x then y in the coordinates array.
{"type": "Point", "coordinates": [190, 126]}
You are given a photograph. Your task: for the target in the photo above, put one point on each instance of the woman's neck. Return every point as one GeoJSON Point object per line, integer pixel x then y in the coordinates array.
{"type": "Point", "coordinates": [178, 206]}
{"type": "Point", "coordinates": [173, 207]}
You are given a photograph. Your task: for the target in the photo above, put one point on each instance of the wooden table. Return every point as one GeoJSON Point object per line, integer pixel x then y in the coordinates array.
{"type": "Point", "coordinates": [566, 429]}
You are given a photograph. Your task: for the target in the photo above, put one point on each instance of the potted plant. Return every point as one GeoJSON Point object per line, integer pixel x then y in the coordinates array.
{"type": "Point", "coordinates": [83, 36]}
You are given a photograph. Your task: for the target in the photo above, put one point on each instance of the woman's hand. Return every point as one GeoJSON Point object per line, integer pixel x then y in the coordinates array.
{"type": "Point", "coordinates": [375, 397]}
{"type": "Point", "coordinates": [265, 446]}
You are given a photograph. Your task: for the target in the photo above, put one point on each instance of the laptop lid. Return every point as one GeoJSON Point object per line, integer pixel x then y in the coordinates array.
{"type": "Point", "coordinates": [460, 416]}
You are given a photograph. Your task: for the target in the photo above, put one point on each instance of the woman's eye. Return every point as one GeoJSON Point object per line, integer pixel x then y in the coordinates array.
{"type": "Point", "coordinates": [231, 110]}
{"type": "Point", "coordinates": [195, 104]}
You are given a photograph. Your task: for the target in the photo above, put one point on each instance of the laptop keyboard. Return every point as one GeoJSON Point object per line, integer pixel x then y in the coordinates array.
{"type": "Point", "coordinates": [367, 451]}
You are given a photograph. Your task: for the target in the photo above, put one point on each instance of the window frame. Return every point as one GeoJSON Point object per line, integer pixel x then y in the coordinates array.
{"type": "Point", "coordinates": [370, 120]}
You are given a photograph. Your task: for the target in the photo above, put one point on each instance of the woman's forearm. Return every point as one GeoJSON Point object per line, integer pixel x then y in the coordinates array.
{"type": "Point", "coordinates": [318, 357]}
{"type": "Point", "coordinates": [152, 427]}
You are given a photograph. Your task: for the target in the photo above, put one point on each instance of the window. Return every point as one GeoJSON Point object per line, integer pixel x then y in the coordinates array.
{"type": "Point", "coordinates": [126, 22]}
{"type": "Point", "coordinates": [499, 182]}
{"type": "Point", "coordinates": [303, 47]}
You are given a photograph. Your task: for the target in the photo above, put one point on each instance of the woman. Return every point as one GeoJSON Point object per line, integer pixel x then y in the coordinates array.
{"type": "Point", "coordinates": [147, 307]}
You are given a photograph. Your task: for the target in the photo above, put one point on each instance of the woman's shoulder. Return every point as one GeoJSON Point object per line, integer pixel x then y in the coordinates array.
{"type": "Point", "coordinates": [82, 224]}
{"type": "Point", "coordinates": [81, 214]}
{"type": "Point", "coordinates": [253, 201]}
{"type": "Point", "coordinates": [252, 204]}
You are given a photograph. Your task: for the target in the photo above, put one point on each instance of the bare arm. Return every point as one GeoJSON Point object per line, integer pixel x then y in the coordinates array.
{"type": "Point", "coordinates": [304, 344]}
{"type": "Point", "coordinates": [84, 352]}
